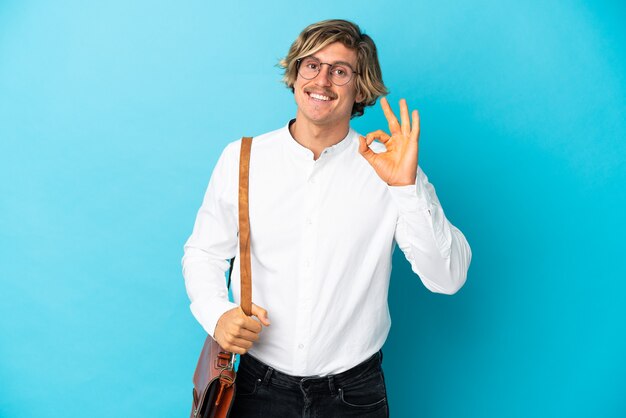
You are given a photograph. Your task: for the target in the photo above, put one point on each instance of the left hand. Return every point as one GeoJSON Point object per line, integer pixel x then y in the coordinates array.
{"type": "Point", "coordinates": [398, 165]}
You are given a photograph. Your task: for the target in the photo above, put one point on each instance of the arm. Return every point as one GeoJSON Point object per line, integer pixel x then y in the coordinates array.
{"type": "Point", "coordinates": [438, 252]}
{"type": "Point", "coordinates": [207, 251]}
{"type": "Point", "coordinates": [212, 243]}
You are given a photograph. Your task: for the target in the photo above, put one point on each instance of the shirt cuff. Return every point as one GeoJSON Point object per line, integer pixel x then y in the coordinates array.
{"type": "Point", "coordinates": [411, 198]}
{"type": "Point", "coordinates": [207, 313]}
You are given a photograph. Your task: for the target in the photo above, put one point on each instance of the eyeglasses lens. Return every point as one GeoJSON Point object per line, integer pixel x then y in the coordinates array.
{"type": "Point", "coordinates": [339, 74]}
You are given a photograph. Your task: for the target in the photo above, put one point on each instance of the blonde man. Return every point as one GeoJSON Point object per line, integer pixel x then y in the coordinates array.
{"type": "Point", "coordinates": [327, 208]}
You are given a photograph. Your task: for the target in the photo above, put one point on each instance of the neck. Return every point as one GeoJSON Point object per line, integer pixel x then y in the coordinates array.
{"type": "Point", "coordinates": [318, 137]}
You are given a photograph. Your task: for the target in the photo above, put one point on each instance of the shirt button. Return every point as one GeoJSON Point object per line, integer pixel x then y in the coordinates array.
{"type": "Point", "coordinates": [300, 346]}
{"type": "Point", "coordinates": [309, 221]}
{"type": "Point", "coordinates": [307, 264]}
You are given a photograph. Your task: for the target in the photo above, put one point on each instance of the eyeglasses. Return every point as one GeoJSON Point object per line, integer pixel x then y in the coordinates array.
{"type": "Point", "coordinates": [340, 73]}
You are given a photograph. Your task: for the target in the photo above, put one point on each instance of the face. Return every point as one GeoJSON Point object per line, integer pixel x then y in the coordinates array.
{"type": "Point", "coordinates": [320, 101]}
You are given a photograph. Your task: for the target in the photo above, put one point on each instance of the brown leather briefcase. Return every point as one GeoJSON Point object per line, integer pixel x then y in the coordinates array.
{"type": "Point", "coordinates": [214, 382]}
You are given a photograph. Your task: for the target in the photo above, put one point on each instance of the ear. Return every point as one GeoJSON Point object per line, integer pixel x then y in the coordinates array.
{"type": "Point", "coordinates": [359, 97]}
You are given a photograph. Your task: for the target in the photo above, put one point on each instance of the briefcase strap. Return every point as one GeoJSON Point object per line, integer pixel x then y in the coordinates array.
{"type": "Point", "coordinates": [244, 226]}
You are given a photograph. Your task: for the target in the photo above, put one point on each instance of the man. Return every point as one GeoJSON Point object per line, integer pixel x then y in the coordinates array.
{"type": "Point", "coordinates": [327, 207]}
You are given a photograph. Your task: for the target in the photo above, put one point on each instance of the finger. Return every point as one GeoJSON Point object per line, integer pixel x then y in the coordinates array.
{"type": "Point", "coordinates": [237, 346]}
{"type": "Point", "coordinates": [247, 335]}
{"type": "Point", "coordinates": [379, 134]}
{"type": "Point", "coordinates": [235, 340]}
{"type": "Point", "coordinates": [261, 314]}
{"type": "Point", "coordinates": [404, 117]}
{"type": "Point", "coordinates": [364, 148]}
{"type": "Point", "coordinates": [241, 343]}
{"type": "Point", "coordinates": [252, 325]}
{"type": "Point", "coordinates": [415, 126]}
{"type": "Point", "coordinates": [233, 349]}
{"type": "Point", "coordinates": [394, 126]}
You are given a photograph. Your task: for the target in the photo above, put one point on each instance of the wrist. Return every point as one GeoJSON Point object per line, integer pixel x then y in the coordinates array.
{"type": "Point", "coordinates": [403, 182]}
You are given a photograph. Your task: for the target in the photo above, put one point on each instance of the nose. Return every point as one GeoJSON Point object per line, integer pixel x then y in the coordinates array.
{"type": "Point", "coordinates": [323, 77]}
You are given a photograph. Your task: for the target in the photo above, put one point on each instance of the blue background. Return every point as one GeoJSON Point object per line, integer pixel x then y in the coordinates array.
{"type": "Point", "coordinates": [113, 114]}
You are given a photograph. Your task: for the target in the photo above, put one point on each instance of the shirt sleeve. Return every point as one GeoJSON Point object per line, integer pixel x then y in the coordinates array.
{"type": "Point", "coordinates": [212, 244]}
{"type": "Point", "coordinates": [438, 252]}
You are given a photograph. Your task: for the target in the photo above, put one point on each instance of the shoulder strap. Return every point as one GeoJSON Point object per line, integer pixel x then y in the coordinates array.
{"type": "Point", "coordinates": [244, 227]}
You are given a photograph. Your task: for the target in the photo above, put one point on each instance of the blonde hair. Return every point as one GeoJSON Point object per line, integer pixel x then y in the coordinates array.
{"type": "Point", "coordinates": [369, 81]}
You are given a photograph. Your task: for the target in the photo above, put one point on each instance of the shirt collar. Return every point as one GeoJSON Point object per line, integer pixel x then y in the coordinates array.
{"type": "Point", "coordinates": [303, 152]}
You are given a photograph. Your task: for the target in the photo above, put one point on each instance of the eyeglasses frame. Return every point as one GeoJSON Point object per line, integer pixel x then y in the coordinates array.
{"type": "Point", "coordinates": [299, 61]}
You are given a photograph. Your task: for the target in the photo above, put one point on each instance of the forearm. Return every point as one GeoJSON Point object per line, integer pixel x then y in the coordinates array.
{"type": "Point", "coordinates": [437, 251]}
{"type": "Point", "coordinates": [206, 286]}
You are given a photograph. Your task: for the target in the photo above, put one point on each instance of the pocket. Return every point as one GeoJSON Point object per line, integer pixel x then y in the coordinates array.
{"type": "Point", "coordinates": [367, 394]}
{"type": "Point", "coordinates": [246, 384]}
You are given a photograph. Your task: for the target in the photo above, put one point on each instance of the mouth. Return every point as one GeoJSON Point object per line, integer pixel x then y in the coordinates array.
{"type": "Point", "coordinates": [319, 97]}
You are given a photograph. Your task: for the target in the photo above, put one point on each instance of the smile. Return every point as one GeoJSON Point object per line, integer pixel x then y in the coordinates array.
{"type": "Point", "coordinates": [320, 97]}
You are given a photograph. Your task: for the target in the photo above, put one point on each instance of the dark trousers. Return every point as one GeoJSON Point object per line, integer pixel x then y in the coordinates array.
{"type": "Point", "coordinates": [264, 392]}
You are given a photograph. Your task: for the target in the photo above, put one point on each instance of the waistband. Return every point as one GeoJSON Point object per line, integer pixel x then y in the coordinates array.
{"type": "Point", "coordinates": [267, 374]}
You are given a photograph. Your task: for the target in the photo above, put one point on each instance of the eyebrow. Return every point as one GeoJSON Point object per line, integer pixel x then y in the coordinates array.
{"type": "Point", "coordinates": [333, 63]}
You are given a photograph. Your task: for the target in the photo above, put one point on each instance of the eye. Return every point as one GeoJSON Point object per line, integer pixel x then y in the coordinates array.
{"type": "Point", "coordinates": [310, 64]}
{"type": "Point", "coordinates": [340, 72]}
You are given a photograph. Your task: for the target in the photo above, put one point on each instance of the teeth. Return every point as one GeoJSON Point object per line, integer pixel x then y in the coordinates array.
{"type": "Point", "coordinates": [319, 97]}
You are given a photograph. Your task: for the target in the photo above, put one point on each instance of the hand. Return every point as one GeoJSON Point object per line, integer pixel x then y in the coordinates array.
{"type": "Point", "coordinates": [236, 332]}
{"type": "Point", "coordinates": [398, 165]}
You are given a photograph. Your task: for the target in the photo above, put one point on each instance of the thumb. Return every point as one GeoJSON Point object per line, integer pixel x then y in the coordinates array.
{"type": "Point", "coordinates": [261, 314]}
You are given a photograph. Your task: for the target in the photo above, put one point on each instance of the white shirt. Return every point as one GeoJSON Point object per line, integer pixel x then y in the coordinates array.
{"type": "Point", "coordinates": [322, 236]}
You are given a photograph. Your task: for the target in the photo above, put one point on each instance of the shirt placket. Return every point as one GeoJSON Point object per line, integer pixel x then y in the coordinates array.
{"type": "Point", "coordinates": [306, 296]}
